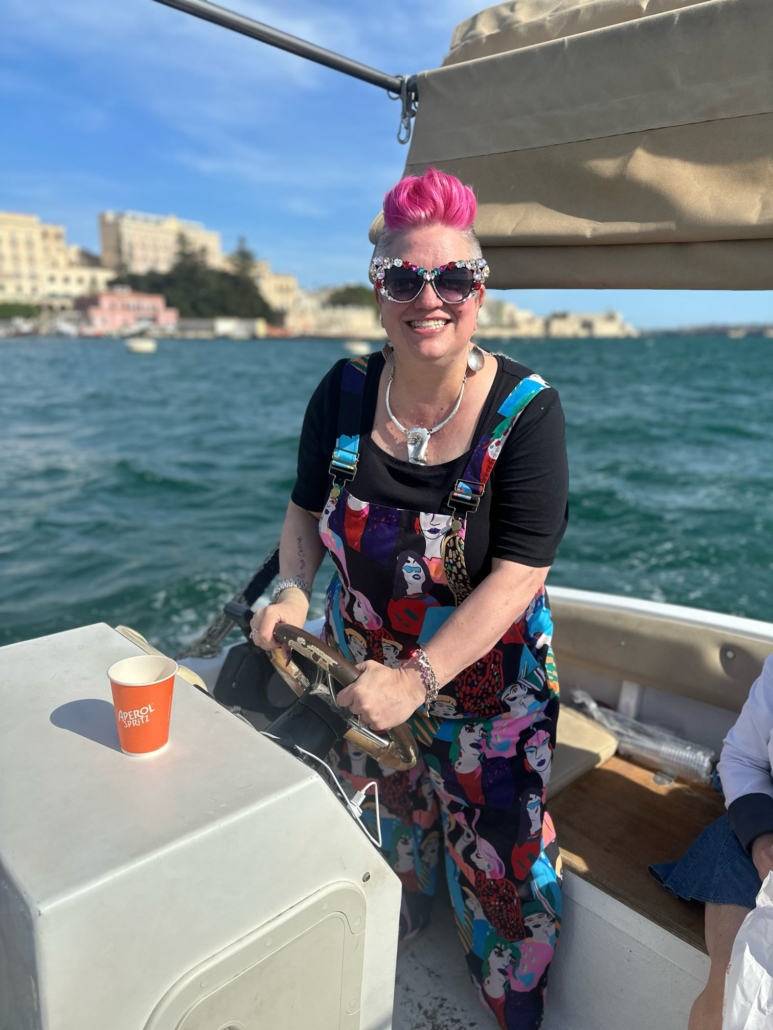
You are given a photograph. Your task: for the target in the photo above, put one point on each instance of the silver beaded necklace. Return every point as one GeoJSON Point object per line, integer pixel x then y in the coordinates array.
{"type": "Point", "coordinates": [418, 438]}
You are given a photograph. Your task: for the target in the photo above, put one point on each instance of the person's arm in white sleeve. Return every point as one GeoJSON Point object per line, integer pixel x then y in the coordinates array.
{"type": "Point", "coordinates": [745, 766]}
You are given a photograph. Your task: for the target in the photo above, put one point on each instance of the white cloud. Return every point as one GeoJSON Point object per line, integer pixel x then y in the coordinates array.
{"type": "Point", "coordinates": [170, 60]}
{"type": "Point", "coordinates": [305, 208]}
{"type": "Point", "coordinates": [185, 115]}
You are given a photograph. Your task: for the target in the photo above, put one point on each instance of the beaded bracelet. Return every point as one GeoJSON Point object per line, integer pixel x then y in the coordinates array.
{"type": "Point", "coordinates": [428, 677]}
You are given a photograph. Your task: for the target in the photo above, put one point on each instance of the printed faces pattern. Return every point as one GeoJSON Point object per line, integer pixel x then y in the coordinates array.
{"type": "Point", "coordinates": [478, 791]}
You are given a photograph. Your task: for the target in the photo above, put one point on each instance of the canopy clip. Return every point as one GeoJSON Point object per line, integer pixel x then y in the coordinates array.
{"type": "Point", "coordinates": [409, 99]}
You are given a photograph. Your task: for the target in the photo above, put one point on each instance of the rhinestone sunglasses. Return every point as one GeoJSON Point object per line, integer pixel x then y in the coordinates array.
{"type": "Point", "coordinates": [402, 282]}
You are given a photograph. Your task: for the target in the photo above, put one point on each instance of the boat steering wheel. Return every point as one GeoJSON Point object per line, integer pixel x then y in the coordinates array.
{"type": "Point", "coordinates": [397, 749]}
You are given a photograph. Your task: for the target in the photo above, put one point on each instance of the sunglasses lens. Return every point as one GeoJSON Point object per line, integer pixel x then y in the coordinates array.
{"type": "Point", "coordinates": [454, 284]}
{"type": "Point", "coordinates": [402, 284]}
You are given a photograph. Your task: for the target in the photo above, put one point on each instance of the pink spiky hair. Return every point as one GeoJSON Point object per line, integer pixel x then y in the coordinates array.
{"type": "Point", "coordinates": [434, 198]}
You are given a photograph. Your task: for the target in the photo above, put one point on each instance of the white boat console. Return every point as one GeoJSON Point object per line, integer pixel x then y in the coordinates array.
{"type": "Point", "coordinates": [216, 885]}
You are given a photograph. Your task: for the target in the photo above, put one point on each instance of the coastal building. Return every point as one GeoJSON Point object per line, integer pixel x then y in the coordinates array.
{"type": "Point", "coordinates": [497, 319]}
{"type": "Point", "coordinates": [606, 324]}
{"type": "Point", "coordinates": [140, 243]}
{"type": "Point", "coordinates": [225, 327]}
{"type": "Point", "coordinates": [121, 309]}
{"type": "Point", "coordinates": [313, 316]}
{"type": "Point", "coordinates": [38, 267]}
{"type": "Point", "coordinates": [279, 289]}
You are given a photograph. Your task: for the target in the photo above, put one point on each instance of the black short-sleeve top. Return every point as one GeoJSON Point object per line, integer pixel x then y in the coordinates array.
{"type": "Point", "coordinates": [523, 512]}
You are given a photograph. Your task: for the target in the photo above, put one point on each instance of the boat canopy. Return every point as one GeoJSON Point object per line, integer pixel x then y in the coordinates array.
{"type": "Point", "coordinates": [611, 143]}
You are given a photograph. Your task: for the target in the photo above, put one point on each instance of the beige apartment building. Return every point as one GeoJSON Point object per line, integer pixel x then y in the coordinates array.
{"type": "Point", "coordinates": [497, 320]}
{"type": "Point", "coordinates": [596, 325]}
{"type": "Point", "coordinates": [150, 243]}
{"type": "Point", "coordinates": [279, 289]}
{"type": "Point", "coordinates": [37, 266]}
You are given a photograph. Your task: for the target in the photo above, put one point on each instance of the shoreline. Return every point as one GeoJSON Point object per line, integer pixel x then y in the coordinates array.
{"type": "Point", "coordinates": [734, 333]}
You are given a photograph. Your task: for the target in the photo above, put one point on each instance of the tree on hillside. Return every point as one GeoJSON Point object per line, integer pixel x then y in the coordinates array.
{"type": "Point", "coordinates": [198, 291]}
{"type": "Point", "coordinates": [19, 310]}
{"type": "Point", "coordinates": [243, 259]}
{"type": "Point", "coordinates": [351, 296]}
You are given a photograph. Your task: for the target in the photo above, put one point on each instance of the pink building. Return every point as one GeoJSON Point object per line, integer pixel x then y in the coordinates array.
{"type": "Point", "coordinates": [121, 308]}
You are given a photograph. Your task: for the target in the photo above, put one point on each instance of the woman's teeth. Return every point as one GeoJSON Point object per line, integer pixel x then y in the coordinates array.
{"type": "Point", "coordinates": [428, 323]}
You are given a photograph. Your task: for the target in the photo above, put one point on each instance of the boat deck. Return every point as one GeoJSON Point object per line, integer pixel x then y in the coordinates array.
{"type": "Point", "coordinates": [433, 990]}
{"type": "Point", "coordinates": [616, 820]}
{"type": "Point", "coordinates": [612, 823]}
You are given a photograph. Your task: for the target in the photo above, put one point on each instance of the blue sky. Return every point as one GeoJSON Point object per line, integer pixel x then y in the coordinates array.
{"type": "Point", "coordinates": [132, 105]}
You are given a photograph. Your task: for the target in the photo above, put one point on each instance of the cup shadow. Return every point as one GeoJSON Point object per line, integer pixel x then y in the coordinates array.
{"type": "Point", "coordinates": [89, 717]}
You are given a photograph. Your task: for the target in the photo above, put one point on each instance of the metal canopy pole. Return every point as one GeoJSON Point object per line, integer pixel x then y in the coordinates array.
{"type": "Point", "coordinates": [395, 84]}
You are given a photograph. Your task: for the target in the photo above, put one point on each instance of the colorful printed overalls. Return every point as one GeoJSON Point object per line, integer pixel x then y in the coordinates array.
{"type": "Point", "coordinates": [488, 742]}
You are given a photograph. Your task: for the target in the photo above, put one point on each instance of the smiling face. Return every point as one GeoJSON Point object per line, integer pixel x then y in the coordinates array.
{"type": "Point", "coordinates": [427, 327]}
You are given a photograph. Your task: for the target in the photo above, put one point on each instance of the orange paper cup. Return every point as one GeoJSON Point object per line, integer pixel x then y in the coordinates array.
{"type": "Point", "coordinates": [142, 696]}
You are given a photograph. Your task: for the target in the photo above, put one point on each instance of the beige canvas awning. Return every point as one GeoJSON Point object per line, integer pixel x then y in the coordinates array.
{"type": "Point", "coordinates": [611, 143]}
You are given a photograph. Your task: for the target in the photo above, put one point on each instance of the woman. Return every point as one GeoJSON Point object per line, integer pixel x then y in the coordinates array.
{"type": "Point", "coordinates": [435, 475]}
{"type": "Point", "coordinates": [726, 865]}
{"type": "Point", "coordinates": [410, 597]}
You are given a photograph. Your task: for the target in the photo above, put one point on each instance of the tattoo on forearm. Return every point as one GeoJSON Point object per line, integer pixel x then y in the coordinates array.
{"type": "Point", "coordinates": [301, 556]}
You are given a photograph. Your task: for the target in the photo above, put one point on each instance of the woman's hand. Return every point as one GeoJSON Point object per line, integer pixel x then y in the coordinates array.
{"type": "Point", "coordinates": [291, 607]}
{"type": "Point", "coordinates": [762, 854]}
{"type": "Point", "coordinates": [383, 697]}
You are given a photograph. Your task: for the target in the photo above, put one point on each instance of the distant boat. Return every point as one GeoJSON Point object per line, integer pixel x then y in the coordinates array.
{"type": "Point", "coordinates": [141, 345]}
{"type": "Point", "coordinates": [357, 348]}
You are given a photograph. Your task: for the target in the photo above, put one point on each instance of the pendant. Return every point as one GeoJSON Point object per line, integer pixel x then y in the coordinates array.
{"type": "Point", "coordinates": [476, 359]}
{"type": "Point", "coordinates": [417, 440]}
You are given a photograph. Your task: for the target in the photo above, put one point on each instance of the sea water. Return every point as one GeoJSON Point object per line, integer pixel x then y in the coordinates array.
{"type": "Point", "coordinates": [145, 489]}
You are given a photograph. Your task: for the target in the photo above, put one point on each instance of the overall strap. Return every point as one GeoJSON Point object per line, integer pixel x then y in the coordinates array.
{"type": "Point", "coordinates": [346, 453]}
{"type": "Point", "coordinates": [468, 490]}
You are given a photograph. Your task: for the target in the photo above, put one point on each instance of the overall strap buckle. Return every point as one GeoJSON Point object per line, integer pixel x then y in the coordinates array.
{"type": "Point", "coordinates": [465, 495]}
{"type": "Point", "coordinates": [343, 468]}
{"type": "Point", "coordinates": [343, 464]}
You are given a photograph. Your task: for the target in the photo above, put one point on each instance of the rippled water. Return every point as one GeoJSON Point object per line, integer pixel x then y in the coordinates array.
{"type": "Point", "coordinates": [145, 489]}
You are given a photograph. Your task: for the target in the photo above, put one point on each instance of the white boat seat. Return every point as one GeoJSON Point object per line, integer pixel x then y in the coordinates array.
{"type": "Point", "coordinates": [700, 655]}
{"type": "Point", "coordinates": [582, 745]}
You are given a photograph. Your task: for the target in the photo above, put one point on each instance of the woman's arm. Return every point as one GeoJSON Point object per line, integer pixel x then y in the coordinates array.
{"type": "Point", "coordinates": [483, 619]}
{"type": "Point", "coordinates": [385, 697]}
{"type": "Point", "coordinates": [744, 768]}
{"type": "Point", "coordinates": [300, 555]}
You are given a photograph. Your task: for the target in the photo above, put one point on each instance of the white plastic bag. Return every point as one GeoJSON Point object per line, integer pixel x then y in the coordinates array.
{"type": "Point", "coordinates": [749, 980]}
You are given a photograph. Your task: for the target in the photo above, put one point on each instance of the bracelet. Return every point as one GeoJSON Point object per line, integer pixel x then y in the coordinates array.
{"type": "Point", "coordinates": [428, 677]}
{"type": "Point", "coordinates": [285, 584]}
